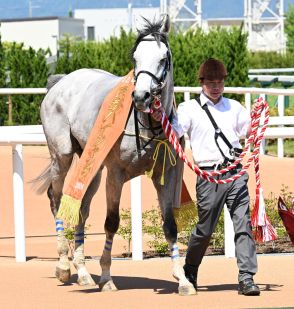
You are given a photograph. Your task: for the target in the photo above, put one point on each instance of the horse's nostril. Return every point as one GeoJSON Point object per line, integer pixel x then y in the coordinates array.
{"type": "Point", "coordinates": [140, 97]}
{"type": "Point", "coordinates": [147, 95]}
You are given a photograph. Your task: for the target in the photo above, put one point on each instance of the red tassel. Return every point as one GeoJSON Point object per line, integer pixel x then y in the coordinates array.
{"type": "Point", "coordinates": [262, 228]}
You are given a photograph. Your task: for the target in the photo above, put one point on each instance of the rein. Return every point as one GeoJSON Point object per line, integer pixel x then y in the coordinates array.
{"type": "Point", "coordinates": [264, 231]}
{"type": "Point", "coordinates": [150, 127]}
{"type": "Point", "coordinates": [254, 138]}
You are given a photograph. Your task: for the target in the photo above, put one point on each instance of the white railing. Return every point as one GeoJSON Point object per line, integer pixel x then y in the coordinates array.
{"type": "Point", "coordinates": [273, 70]}
{"type": "Point", "coordinates": [280, 132]}
{"type": "Point", "coordinates": [16, 136]}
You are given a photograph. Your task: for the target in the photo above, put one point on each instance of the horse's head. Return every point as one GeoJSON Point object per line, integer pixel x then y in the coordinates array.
{"type": "Point", "coordinates": [152, 64]}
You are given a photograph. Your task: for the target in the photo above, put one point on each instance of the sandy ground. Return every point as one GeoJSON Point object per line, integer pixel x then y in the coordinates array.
{"type": "Point", "coordinates": [146, 284]}
{"type": "Point", "coordinates": [32, 284]}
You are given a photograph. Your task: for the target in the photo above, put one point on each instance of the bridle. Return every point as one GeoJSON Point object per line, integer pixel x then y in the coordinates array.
{"type": "Point", "coordinates": [161, 81]}
{"type": "Point", "coordinates": [155, 98]}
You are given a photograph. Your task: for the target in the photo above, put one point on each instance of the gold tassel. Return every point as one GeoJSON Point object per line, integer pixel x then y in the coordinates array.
{"type": "Point", "coordinates": [162, 180]}
{"type": "Point", "coordinates": [69, 210]}
{"type": "Point", "coordinates": [167, 150]}
{"type": "Point", "coordinates": [184, 215]}
{"type": "Point", "coordinates": [149, 174]}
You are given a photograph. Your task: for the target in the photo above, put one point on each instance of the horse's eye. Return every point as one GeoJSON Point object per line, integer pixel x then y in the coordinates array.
{"type": "Point", "coordinates": [162, 61]}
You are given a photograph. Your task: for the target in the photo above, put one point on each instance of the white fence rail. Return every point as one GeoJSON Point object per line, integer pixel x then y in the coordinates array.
{"type": "Point", "coordinates": [16, 136]}
{"type": "Point", "coordinates": [273, 70]}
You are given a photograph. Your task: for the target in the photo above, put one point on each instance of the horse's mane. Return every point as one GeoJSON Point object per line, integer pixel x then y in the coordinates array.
{"type": "Point", "coordinates": [151, 28]}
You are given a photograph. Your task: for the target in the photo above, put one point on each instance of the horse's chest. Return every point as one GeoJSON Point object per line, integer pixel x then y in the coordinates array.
{"type": "Point", "coordinates": [128, 156]}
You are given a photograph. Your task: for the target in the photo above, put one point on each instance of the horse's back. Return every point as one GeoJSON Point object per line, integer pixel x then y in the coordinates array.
{"type": "Point", "coordinates": [82, 84]}
{"type": "Point", "coordinates": [74, 102]}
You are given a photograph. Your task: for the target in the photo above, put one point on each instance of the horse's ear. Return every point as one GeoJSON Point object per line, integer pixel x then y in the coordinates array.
{"type": "Point", "coordinates": [165, 23]}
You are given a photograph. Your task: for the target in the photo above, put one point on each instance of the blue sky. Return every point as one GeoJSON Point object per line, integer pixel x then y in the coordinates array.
{"type": "Point", "coordinates": [20, 8]}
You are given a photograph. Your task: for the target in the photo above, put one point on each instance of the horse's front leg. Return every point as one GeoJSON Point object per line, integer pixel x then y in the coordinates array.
{"type": "Point", "coordinates": [114, 183]}
{"type": "Point", "coordinates": [166, 200]}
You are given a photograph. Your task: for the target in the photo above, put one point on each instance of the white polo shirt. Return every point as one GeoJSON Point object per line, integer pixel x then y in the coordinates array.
{"type": "Point", "coordinates": [231, 117]}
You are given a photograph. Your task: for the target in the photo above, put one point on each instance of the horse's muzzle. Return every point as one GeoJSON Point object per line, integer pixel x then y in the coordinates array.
{"type": "Point", "coordinates": [141, 101]}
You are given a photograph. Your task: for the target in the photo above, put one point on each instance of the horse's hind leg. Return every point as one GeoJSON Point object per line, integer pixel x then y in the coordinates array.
{"type": "Point", "coordinates": [114, 183]}
{"type": "Point", "coordinates": [59, 168]}
{"type": "Point", "coordinates": [84, 278]}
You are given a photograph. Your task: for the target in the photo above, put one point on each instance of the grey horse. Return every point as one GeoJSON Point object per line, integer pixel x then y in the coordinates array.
{"type": "Point", "coordinates": [68, 113]}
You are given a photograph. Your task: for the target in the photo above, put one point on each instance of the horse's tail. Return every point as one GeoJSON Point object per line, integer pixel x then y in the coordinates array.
{"type": "Point", "coordinates": [43, 181]}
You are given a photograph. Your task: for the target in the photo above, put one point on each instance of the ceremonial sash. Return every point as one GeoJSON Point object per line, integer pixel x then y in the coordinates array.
{"type": "Point", "coordinates": [108, 126]}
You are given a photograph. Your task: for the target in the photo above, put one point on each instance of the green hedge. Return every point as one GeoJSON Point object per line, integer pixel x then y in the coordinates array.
{"type": "Point", "coordinates": [189, 50]}
{"type": "Point", "coordinates": [22, 68]}
{"type": "Point", "coordinates": [27, 68]}
{"type": "Point", "coordinates": [267, 60]}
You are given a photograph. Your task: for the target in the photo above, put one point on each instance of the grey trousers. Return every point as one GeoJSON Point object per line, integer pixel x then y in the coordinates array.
{"type": "Point", "coordinates": [211, 198]}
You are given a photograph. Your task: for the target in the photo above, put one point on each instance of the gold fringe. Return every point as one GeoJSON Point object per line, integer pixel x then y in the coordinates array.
{"type": "Point", "coordinates": [149, 174]}
{"type": "Point", "coordinates": [167, 151]}
{"type": "Point", "coordinates": [184, 215]}
{"type": "Point", "coordinates": [69, 210]}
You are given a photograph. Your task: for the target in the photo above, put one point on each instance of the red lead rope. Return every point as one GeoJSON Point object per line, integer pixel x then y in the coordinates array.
{"type": "Point", "coordinates": [262, 228]}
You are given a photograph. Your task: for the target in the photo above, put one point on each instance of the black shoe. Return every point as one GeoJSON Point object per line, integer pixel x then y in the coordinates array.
{"type": "Point", "coordinates": [248, 287]}
{"type": "Point", "coordinates": [191, 276]}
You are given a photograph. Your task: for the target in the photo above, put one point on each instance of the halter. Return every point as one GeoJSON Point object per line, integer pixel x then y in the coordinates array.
{"type": "Point", "coordinates": [155, 97]}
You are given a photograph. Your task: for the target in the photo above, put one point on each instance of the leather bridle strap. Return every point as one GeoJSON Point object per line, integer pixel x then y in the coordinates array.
{"type": "Point", "coordinates": [150, 74]}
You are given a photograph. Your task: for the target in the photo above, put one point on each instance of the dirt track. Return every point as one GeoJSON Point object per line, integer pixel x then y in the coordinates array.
{"type": "Point", "coordinates": [142, 284]}
{"type": "Point", "coordinates": [146, 284]}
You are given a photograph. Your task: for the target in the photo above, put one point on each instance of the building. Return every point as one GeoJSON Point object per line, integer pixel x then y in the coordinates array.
{"type": "Point", "coordinates": [41, 32]}
{"type": "Point", "coordinates": [263, 20]}
{"type": "Point", "coordinates": [100, 24]}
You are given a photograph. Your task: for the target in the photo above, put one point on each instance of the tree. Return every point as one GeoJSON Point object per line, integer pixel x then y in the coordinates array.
{"type": "Point", "coordinates": [289, 27]}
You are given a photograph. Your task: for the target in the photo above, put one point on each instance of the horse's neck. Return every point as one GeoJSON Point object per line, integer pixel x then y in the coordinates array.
{"type": "Point", "coordinates": [168, 94]}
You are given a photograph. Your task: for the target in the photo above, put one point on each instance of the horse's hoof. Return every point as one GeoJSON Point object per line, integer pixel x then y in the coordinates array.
{"type": "Point", "coordinates": [62, 275]}
{"type": "Point", "coordinates": [187, 290]}
{"type": "Point", "coordinates": [86, 281]}
{"type": "Point", "coordinates": [107, 286]}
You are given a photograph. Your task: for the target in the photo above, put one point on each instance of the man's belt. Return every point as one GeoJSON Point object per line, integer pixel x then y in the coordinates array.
{"type": "Point", "coordinates": [219, 166]}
